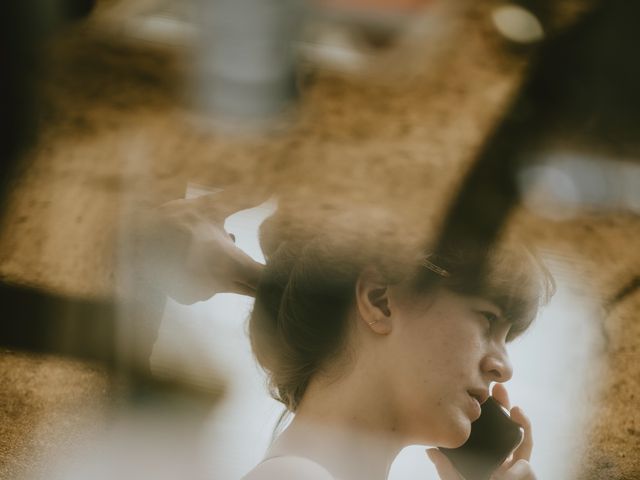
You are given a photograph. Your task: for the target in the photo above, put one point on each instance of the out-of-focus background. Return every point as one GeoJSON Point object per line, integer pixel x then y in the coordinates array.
{"type": "Point", "coordinates": [374, 113]}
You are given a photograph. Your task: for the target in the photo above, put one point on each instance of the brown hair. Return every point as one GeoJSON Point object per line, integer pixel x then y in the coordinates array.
{"type": "Point", "coordinates": [298, 321]}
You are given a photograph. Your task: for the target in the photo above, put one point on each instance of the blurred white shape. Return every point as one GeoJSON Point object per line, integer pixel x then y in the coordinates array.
{"type": "Point", "coordinates": [160, 29]}
{"type": "Point", "coordinates": [334, 48]}
{"type": "Point", "coordinates": [629, 185]}
{"type": "Point", "coordinates": [157, 437]}
{"type": "Point", "coordinates": [517, 24]}
{"type": "Point", "coordinates": [549, 191]}
{"type": "Point", "coordinates": [563, 183]}
{"type": "Point", "coordinates": [380, 45]}
{"type": "Point", "coordinates": [165, 22]}
{"type": "Point", "coordinates": [245, 60]}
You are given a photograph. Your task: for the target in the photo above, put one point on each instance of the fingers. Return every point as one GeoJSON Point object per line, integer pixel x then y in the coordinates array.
{"type": "Point", "coordinates": [189, 255]}
{"type": "Point", "coordinates": [446, 471]}
{"type": "Point", "coordinates": [241, 289]}
{"type": "Point", "coordinates": [521, 470]}
{"type": "Point", "coordinates": [247, 271]}
{"type": "Point", "coordinates": [229, 267]}
{"type": "Point", "coordinates": [499, 392]}
{"type": "Point", "coordinates": [523, 452]}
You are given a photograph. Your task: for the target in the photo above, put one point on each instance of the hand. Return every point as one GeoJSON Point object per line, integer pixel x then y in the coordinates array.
{"type": "Point", "coordinates": [516, 467]}
{"type": "Point", "coordinates": [186, 252]}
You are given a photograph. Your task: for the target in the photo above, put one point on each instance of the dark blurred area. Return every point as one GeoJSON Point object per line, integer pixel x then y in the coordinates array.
{"type": "Point", "coordinates": [580, 93]}
{"type": "Point", "coordinates": [27, 28]}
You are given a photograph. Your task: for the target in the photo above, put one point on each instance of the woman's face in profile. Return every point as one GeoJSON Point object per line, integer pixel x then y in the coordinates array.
{"type": "Point", "coordinates": [447, 349]}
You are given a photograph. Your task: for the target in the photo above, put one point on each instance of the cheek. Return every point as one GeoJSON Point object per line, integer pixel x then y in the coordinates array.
{"type": "Point", "coordinates": [440, 347]}
{"type": "Point", "coordinates": [438, 355]}
{"type": "Point", "coordinates": [428, 363]}
{"type": "Point", "coordinates": [457, 338]}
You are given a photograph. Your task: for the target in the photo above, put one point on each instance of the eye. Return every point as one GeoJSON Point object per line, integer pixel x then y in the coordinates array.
{"type": "Point", "coordinates": [491, 318]}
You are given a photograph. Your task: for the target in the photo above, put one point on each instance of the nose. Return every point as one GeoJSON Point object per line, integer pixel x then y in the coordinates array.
{"type": "Point", "coordinates": [497, 366]}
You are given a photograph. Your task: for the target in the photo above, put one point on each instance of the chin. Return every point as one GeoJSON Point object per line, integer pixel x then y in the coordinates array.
{"type": "Point", "coordinates": [451, 430]}
{"type": "Point", "coordinates": [457, 433]}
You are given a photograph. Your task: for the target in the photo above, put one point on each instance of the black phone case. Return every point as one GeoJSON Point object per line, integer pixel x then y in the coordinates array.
{"type": "Point", "coordinates": [493, 437]}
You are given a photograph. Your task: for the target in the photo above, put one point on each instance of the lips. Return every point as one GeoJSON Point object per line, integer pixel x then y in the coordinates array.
{"type": "Point", "coordinates": [477, 396]}
{"type": "Point", "coordinates": [480, 394]}
{"type": "Point", "coordinates": [474, 408]}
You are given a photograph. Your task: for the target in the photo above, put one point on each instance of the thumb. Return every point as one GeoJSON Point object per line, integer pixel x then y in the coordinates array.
{"type": "Point", "coordinates": [443, 465]}
{"type": "Point", "coordinates": [521, 470]}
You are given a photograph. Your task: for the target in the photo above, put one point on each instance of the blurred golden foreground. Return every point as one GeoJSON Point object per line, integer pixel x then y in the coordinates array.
{"type": "Point", "coordinates": [116, 134]}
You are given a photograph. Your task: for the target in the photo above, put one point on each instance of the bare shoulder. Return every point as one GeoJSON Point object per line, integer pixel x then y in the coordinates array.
{"type": "Point", "coordinates": [289, 467]}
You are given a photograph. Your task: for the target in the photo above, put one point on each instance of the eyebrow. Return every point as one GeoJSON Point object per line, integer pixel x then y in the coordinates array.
{"type": "Point", "coordinates": [494, 306]}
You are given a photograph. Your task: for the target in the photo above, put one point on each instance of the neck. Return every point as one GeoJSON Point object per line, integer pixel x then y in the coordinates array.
{"type": "Point", "coordinates": [346, 428]}
{"type": "Point", "coordinates": [347, 453]}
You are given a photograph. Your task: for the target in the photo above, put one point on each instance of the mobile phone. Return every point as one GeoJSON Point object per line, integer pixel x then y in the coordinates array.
{"type": "Point", "coordinates": [493, 437]}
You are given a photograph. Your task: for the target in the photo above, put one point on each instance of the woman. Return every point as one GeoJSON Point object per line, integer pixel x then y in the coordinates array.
{"type": "Point", "coordinates": [373, 344]}
{"type": "Point", "coordinates": [375, 347]}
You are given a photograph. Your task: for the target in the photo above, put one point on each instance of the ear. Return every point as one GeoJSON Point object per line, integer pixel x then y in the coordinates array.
{"type": "Point", "coordinates": [373, 301]}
